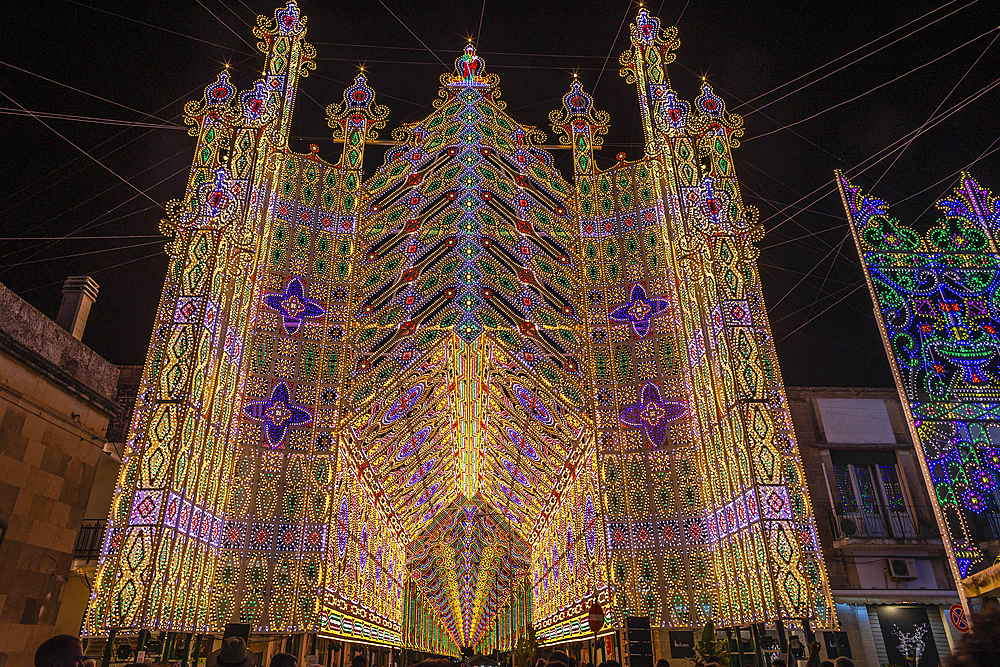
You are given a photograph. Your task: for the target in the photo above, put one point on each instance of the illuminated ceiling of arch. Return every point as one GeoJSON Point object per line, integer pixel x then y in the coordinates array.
{"type": "Point", "coordinates": [467, 561]}
{"type": "Point", "coordinates": [467, 419]}
{"type": "Point", "coordinates": [467, 406]}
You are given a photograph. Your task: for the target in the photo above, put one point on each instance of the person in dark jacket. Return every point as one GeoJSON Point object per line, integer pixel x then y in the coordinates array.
{"type": "Point", "coordinates": [60, 651]}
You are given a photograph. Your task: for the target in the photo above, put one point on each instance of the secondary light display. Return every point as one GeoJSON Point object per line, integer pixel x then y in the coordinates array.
{"type": "Point", "coordinates": [935, 298]}
{"type": "Point", "coordinates": [465, 394]}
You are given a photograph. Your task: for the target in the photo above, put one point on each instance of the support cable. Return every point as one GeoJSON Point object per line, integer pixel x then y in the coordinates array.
{"type": "Point", "coordinates": [887, 150]}
{"type": "Point", "coordinates": [936, 109]}
{"type": "Point", "coordinates": [819, 313]}
{"type": "Point", "coordinates": [84, 92]}
{"type": "Point", "coordinates": [155, 204]}
{"type": "Point", "coordinates": [479, 32]}
{"type": "Point", "coordinates": [35, 193]}
{"type": "Point", "coordinates": [612, 49]}
{"type": "Point", "coordinates": [156, 27]}
{"type": "Point", "coordinates": [857, 283]}
{"type": "Point", "coordinates": [787, 292]}
{"type": "Point", "coordinates": [412, 33]}
{"type": "Point", "coordinates": [10, 111]}
{"type": "Point", "coordinates": [71, 143]}
{"type": "Point", "coordinates": [93, 223]}
{"type": "Point", "coordinates": [822, 285]}
{"type": "Point", "coordinates": [857, 60]}
{"type": "Point", "coordinates": [987, 152]}
{"type": "Point", "coordinates": [228, 27]}
{"type": "Point", "coordinates": [871, 90]}
{"type": "Point", "coordinates": [88, 252]}
{"type": "Point", "coordinates": [158, 253]}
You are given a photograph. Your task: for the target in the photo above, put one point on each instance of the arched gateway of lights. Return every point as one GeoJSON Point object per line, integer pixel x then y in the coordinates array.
{"type": "Point", "coordinates": [464, 395]}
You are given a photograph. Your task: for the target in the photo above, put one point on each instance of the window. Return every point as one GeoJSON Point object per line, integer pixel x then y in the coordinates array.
{"type": "Point", "coordinates": [870, 493]}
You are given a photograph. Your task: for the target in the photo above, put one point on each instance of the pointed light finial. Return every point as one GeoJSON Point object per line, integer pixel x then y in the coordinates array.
{"type": "Point", "coordinates": [221, 91]}
{"type": "Point", "coordinates": [709, 103]}
{"type": "Point", "coordinates": [578, 111]}
{"type": "Point", "coordinates": [647, 31]}
{"type": "Point", "coordinates": [288, 19]}
{"type": "Point", "coordinates": [357, 109]}
{"type": "Point", "coordinates": [576, 101]}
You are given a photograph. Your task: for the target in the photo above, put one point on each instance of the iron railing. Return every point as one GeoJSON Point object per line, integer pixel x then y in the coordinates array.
{"type": "Point", "coordinates": [914, 522]}
{"type": "Point", "coordinates": [90, 540]}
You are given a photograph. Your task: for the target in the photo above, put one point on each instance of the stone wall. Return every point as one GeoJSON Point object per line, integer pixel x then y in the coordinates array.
{"type": "Point", "coordinates": [56, 397]}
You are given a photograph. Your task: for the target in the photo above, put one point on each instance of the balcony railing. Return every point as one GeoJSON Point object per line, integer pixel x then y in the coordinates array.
{"type": "Point", "coordinates": [90, 540]}
{"type": "Point", "coordinates": [905, 522]}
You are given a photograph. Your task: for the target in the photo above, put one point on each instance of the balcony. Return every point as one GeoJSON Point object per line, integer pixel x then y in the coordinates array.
{"type": "Point", "coordinates": [902, 526]}
{"type": "Point", "coordinates": [90, 540]}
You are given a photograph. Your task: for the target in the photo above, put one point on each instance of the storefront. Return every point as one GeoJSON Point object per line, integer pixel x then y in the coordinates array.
{"type": "Point", "coordinates": [908, 628]}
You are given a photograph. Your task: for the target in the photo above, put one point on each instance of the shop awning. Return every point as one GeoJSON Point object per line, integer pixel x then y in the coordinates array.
{"type": "Point", "coordinates": [896, 596]}
{"type": "Point", "coordinates": [982, 582]}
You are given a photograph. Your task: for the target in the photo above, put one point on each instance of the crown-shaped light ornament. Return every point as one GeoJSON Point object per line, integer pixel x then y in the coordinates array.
{"type": "Point", "coordinates": [358, 109]}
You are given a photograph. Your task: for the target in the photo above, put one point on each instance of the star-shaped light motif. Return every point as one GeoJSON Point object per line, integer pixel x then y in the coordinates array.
{"type": "Point", "coordinates": [639, 310]}
{"type": "Point", "coordinates": [277, 414]}
{"type": "Point", "coordinates": [653, 414]}
{"type": "Point", "coordinates": [294, 306]}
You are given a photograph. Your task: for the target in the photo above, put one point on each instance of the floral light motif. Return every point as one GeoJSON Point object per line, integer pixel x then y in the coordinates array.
{"type": "Point", "coordinates": [294, 306]}
{"type": "Point", "coordinates": [639, 310]}
{"type": "Point", "coordinates": [278, 414]}
{"type": "Point", "coordinates": [653, 414]}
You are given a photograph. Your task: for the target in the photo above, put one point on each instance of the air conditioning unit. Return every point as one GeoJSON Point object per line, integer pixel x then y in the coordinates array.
{"type": "Point", "coordinates": [848, 527]}
{"type": "Point", "coordinates": [901, 569]}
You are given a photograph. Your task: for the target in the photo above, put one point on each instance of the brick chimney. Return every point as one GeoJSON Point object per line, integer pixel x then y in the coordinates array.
{"type": "Point", "coordinates": [79, 294]}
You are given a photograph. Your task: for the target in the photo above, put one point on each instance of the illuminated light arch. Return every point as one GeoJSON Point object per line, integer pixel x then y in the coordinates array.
{"type": "Point", "coordinates": [432, 406]}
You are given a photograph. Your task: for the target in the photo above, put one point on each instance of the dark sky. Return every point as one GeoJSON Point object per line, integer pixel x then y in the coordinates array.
{"type": "Point", "coordinates": [146, 60]}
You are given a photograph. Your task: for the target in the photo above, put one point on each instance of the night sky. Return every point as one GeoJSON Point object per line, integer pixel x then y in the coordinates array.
{"type": "Point", "coordinates": [144, 61]}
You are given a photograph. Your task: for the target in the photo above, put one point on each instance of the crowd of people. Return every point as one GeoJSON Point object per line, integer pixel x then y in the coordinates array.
{"type": "Point", "coordinates": [562, 659]}
{"type": "Point", "coordinates": [813, 660]}
{"type": "Point", "coordinates": [978, 648]}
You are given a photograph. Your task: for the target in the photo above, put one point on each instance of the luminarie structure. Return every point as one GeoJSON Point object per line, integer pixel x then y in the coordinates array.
{"type": "Point", "coordinates": [935, 301]}
{"type": "Point", "coordinates": [465, 394]}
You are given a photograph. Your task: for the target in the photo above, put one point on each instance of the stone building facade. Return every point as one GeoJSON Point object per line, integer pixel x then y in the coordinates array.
{"type": "Point", "coordinates": [95, 517]}
{"type": "Point", "coordinates": [881, 544]}
{"type": "Point", "coordinates": [56, 398]}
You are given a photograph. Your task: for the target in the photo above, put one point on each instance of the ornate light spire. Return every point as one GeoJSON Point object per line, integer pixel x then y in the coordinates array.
{"type": "Point", "coordinates": [645, 65]}
{"type": "Point", "coordinates": [578, 123]}
{"type": "Point", "coordinates": [356, 120]}
{"type": "Point", "coordinates": [288, 57]}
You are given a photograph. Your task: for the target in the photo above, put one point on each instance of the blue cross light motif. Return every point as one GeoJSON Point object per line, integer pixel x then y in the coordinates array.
{"type": "Point", "coordinates": [277, 414]}
{"type": "Point", "coordinates": [639, 310]}
{"type": "Point", "coordinates": [294, 306]}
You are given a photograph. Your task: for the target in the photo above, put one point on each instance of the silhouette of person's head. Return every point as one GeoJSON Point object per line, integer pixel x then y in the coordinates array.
{"type": "Point", "coordinates": [60, 651]}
